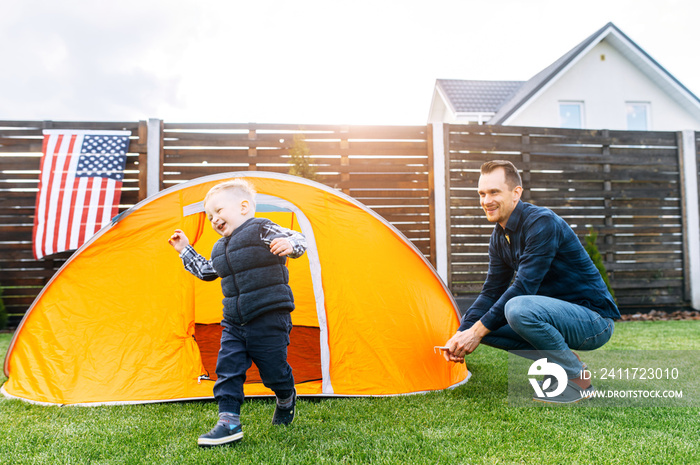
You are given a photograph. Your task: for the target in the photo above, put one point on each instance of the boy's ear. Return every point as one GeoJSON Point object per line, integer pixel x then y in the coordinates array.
{"type": "Point", "coordinates": [245, 207]}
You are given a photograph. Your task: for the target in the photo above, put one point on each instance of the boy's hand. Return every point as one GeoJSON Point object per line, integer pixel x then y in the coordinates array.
{"type": "Point", "coordinates": [179, 240]}
{"type": "Point", "coordinates": [281, 247]}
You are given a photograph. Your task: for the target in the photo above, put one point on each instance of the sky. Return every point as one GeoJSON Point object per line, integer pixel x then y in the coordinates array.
{"type": "Point", "coordinates": [369, 62]}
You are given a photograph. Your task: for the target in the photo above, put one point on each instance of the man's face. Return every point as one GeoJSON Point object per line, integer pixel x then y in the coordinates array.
{"type": "Point", "coordinates": [497, 199]}
{"type": "Point", "coordinates": [226, 211]}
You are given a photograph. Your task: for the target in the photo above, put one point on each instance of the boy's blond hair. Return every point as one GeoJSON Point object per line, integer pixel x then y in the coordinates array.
{"type": "Point", "coordinates": [239, 186]}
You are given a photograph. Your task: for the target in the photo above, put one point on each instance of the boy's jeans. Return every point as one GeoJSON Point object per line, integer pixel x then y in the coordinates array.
{"type": "Point", "coordinates": [263, 340]}
{"type": "Point", "coordinates": [551, 327]}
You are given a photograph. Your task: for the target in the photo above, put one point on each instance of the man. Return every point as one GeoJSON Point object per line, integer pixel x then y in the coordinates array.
{"type": "Point", "coordinates": [557, 301]}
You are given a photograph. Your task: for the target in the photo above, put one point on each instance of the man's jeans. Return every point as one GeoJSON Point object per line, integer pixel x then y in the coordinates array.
{"type": "Point", "coordinates": [263, 340]}
{"type": "Point", "coordinates": [550, 328]}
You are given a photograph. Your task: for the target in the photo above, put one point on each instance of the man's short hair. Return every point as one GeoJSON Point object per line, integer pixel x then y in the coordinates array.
{"type": "Point", "coordinates": [239, 186]}
{"type": "Point", "coordinates": [513, 178]}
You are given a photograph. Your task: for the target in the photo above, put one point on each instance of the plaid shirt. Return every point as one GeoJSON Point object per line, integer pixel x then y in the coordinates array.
{"type": "Point", "coordinates": [203, 269]}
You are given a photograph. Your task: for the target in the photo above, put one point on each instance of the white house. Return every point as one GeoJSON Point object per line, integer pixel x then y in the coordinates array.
{"type": "Point", "coordinates": [605, 82]}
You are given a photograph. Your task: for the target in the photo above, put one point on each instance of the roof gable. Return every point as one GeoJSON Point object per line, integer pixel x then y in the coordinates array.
{"type": "Point", "coordinates": [630, 50]}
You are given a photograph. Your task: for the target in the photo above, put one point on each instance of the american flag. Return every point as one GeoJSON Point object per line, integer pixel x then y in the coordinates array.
{"type": "Point", "coordinates": [79, 187]}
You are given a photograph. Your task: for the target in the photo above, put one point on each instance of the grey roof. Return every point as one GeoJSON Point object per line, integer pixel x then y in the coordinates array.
{"type": "Point", "coordinates": [477, 96]}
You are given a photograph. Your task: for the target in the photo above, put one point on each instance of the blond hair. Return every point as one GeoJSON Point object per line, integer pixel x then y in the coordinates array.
{"type": "Point", "coordinates": [239, 186]}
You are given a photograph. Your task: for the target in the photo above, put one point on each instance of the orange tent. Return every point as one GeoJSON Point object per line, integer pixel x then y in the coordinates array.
{"type": "Point", "coordinates": [123, 322]}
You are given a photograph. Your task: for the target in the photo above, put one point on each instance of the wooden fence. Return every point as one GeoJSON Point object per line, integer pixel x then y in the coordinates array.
{"type": "Point", "coordinates": [387, 168]}
{"type": "Point", "coordinates": [21, 276]}
{"type": "Point", "coordinates": [625, 186]}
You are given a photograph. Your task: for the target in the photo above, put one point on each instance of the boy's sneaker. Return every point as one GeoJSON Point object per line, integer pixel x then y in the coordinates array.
{"type": "Point", "coordinates": [223, 433]}
{"type": "Point", "coordinates": [284, 416]}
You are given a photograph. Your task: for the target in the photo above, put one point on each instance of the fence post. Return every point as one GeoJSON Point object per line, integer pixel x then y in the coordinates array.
{"type": "Point", "coordinates": [344, 159]}
{"type": "Point", "coordinates": [143, 160]}
{"type": "Point", "coordinates": [525, 167]}
{"type": "Point", "coordinates": [691, 215]}
{"type": "Point", "coordinates": [607, 203]}
{"type": "Point", "coordinates": [431, 193]}
{"type": "Point", "coordinates": [442, 257]}
{"type": "Point", "coordinates": [253, 148]}
{"type": "Point", "coordinates": [154, 149]}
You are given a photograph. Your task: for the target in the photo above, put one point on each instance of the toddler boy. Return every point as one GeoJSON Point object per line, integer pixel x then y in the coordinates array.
{"type": "Point", "coordinates": [250, 260]}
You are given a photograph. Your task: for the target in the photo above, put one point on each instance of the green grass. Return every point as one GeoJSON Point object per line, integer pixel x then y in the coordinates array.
{"type": "Point", "coordinates": [471, 424]}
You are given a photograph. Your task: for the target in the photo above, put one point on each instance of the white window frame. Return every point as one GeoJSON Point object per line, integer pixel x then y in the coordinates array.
{"type": "Point", "coordinates": [581, 108]}
{"type": "Point", "coordinates": [647, 111]}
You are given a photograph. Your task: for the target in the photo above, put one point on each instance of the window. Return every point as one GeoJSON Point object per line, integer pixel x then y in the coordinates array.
{"type": "Point", "coordinates": [637, 116]}
{"type": "Point", "coordinates": [571, 115]}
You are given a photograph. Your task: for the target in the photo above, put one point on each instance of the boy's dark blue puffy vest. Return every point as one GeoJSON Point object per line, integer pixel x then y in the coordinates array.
{"type": "Point", "coordinates": [253, 280]}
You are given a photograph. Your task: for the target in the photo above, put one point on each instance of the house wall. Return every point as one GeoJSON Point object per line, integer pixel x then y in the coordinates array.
{"type": "Point", "coordinates": [604, 86]}
{"type": "Point", "coordinates": [439, 112]}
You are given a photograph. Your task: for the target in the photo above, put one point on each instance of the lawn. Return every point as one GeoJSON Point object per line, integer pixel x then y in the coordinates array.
{"type": "Point", "coordinates": [472, 424]}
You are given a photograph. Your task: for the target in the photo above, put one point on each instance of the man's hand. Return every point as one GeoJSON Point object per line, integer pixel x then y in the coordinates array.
{"type": "Point", "coordinates": [281, 247]}
{"type": "Point", "coordinates": [464, 343]}
{"type": "Point", "coordinates": [179, 240]}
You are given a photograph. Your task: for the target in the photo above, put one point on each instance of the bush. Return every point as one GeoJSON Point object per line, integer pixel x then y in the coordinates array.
{"type": "Point", "coordinates": [594, 253]}
{"type": "Point", "coordinates": [301, 158]}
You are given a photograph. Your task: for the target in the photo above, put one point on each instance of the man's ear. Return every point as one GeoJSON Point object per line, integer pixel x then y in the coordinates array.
{"type": "Point", "coordinates": [517, 192]}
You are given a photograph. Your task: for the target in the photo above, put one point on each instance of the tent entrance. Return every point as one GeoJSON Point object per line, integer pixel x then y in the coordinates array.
{"type": "Point", "coordinates": [303, 353]}
{"type": "Point", "coordinates": [306, 352]}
